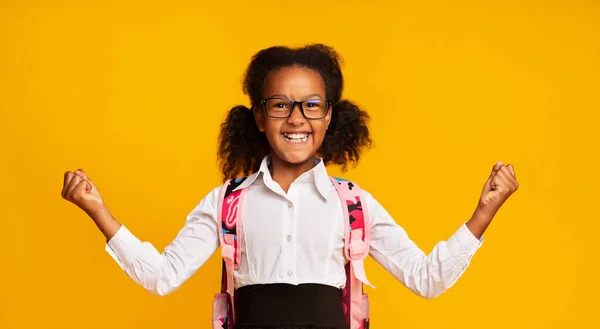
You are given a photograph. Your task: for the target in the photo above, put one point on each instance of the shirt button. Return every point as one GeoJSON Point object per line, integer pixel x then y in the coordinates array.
{"type": "Point", "coordinates": [290, 205]}
{"type": "Point", "coordinates": [290, 273]}
{"type": "Point", "coordinates": [289, 238]}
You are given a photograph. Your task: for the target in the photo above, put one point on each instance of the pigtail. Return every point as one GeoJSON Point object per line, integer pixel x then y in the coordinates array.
{"type": "Point", "coordinates": [241, 145]}
{"type": "Point", "coordinates": [347, 135]}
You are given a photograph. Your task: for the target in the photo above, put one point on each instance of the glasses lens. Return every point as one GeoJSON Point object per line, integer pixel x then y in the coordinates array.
{"type": "Point", "coordinates": [278, 107]}
{"type": "Point", "coordinates": [315, 108]}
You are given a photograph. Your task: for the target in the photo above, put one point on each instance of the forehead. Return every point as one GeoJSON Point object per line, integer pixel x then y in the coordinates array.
{"type": "Point", "coordinates": [294, 82]}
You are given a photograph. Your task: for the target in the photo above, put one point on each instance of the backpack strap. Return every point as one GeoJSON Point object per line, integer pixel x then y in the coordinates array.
{"type": "Point", "coordinates": [229, 213]}
{"type": "Point", "coordinates": [357, 226]}
{"type": "Point", "coordinates": [356, 249]}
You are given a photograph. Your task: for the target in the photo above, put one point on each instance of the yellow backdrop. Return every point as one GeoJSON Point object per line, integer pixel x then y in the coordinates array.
{"type": "Point", "coordinates": [134, 92]}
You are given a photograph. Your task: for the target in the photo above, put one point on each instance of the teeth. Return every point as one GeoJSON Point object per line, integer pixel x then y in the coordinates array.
{"type": "Point", "coordinates": [296, 138]}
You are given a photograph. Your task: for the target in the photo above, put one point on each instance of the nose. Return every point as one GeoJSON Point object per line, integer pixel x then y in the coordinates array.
{"type": "Point", "coordinates": [296, 118]}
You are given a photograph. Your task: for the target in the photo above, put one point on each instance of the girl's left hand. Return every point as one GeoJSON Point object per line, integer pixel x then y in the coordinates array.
{"type": "Point", "coordinates": [501, 184]}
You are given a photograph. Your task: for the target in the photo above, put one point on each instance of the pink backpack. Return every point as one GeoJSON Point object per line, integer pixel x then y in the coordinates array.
{"type": "Point", "coordinates": [354, 301]}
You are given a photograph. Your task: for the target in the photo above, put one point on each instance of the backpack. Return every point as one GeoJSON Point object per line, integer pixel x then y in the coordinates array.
{"type": "Point", "coordinates": [355, 302]}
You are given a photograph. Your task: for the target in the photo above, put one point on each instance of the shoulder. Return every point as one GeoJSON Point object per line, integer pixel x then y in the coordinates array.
{"type": "Point", "coordinates": [350, 184]}
{"type": "Point", "coordinates": [209, 203]}
{"type": "Point", "coordinates": [228, 187]}
{"type": "Point", "coordinates": [349, 188]}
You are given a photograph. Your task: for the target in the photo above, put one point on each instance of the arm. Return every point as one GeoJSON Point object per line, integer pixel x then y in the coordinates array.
{"type": "Point", "coordinates": [162, 273]}
{"type": "Point", "coordinates": [431, 275]}
{"type": "Point", "coordinates": [426, 275]}
{"type": "Point", "coordinates": [159, 273]}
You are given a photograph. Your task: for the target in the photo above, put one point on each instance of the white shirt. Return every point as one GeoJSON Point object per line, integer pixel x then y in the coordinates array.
{"type": "Point", "coordinates": [294, 237]}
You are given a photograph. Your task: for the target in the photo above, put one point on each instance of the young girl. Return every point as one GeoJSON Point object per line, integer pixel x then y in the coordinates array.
{"type": "Point", "coordinates": [292, 248]}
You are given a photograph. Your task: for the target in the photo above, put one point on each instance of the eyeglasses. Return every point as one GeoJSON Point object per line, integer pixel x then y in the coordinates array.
{"type": "Point", "coordinates": [283, 108]}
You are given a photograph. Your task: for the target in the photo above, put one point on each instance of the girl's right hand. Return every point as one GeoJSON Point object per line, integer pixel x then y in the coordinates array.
{"type": "Point", "coordinates": [79, 189]}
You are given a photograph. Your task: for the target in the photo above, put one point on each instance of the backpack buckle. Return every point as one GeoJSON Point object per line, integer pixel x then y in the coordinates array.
{"type": "Point", "coordinates": [358, 248]}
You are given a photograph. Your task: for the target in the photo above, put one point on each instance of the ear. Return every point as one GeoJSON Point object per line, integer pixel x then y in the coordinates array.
{"type": "Point", "coordinates": [259, 117]}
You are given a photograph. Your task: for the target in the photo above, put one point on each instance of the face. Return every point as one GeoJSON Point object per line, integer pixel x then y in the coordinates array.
{"type": "Point", "coordinates": [294, 140]}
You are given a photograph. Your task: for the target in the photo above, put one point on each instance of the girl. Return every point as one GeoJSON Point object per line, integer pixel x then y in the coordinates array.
{"type": "Point", "coordinates": [297, 124]}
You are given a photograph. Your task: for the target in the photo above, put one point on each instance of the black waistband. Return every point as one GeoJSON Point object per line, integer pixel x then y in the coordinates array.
{"type": "Point", "coordinates": [312, 305]}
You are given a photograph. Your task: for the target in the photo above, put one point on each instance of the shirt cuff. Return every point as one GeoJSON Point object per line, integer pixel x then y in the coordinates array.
{"type": "Point", "coordinates": [463, 244]}
{"type": "Point", "coordinates": [123, 247]}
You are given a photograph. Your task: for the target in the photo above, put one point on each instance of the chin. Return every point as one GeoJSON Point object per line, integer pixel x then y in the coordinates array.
{"type": "Point", "coordinates": [295, 158]}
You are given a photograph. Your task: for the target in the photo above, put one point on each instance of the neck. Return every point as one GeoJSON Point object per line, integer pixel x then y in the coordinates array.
{"type": "Point", "coordinates": [284, 173]}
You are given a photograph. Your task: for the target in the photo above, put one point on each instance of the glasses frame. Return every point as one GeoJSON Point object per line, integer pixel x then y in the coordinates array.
{"type": "Point", "coordinates": [263, 103]}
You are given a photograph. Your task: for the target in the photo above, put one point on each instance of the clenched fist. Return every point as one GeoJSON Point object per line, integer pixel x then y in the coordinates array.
{"type": "Point", "coordinates": [499, 186]}
{"type": "Point", "coordinates": [79, 189]}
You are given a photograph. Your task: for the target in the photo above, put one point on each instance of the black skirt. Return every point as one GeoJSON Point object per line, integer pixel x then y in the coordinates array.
{"type": "Point", "coordinates": [286, 306]}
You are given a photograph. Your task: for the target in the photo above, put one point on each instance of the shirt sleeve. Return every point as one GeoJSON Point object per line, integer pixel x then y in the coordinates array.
{"type": "Point", "coordinates": [162, 273]}
{"type": "Point", "coordinates": [426, 275]}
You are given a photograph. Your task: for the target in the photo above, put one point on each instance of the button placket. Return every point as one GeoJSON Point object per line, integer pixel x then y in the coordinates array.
{"type": "Point", "coordinates": [288, 226]}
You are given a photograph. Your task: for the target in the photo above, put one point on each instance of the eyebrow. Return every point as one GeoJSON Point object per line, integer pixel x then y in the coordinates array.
{"type": "Point", "coordinates": [285, 96]}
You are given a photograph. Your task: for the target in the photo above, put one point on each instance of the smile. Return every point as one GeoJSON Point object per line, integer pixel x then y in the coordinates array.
{"type": "Point", "coordinates": [298, 138]}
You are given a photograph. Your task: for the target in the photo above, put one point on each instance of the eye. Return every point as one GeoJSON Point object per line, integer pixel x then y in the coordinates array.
{"type": "Point", "coordinates": [314, 104]}
{"type": "Point", "coordinates": [278, 104]}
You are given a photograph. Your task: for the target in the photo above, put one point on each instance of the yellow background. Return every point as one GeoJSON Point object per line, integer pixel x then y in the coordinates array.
{"type": "Point", "coordinates": [134, 93]}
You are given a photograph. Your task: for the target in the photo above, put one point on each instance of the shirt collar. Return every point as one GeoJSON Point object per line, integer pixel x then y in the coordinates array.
{"type": "Point", "coordinates": [318, 175]}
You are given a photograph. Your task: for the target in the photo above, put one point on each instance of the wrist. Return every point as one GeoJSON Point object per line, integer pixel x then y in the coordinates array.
{"type": "Point", "coordinates": [485, 212]}
{"type": "Point", "coordinates": [479, 222]}
{"type": "Point", "coordinates": [105, 221]}
{"type": "Point", "coordinates": [483, 215]}
{"type": "Point", "coordinates": [99, 214]}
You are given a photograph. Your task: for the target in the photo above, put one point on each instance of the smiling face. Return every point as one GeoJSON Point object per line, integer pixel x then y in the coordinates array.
{"type": "Point", "coordinates": [294, 140]}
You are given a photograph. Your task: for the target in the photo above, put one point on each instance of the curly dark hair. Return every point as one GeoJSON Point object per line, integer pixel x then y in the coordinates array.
{"type": "Point", "coordinates": [242, 146]}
